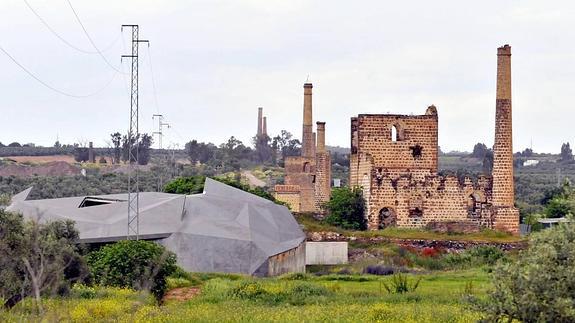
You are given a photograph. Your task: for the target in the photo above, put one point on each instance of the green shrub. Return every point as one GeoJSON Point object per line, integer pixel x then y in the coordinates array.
{"type": "Point", "coordinates": [250, 290]}
{"type": "Point", "coordinates": [140, 265]}
{"type": "Point", "coordinates": [295, 276]}
{"type": "Point", "coordinates": [400, 284]}
{"type": "Point", "coordinates": [539, 286]}
{"type": "Point", "coordinates": [346, 209]}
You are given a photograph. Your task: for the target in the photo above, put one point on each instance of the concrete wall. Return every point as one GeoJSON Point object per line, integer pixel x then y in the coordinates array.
{"type": "Point", "coordinates": [289, 261]}
{"type": "Point", "coordinates": [325, 253]}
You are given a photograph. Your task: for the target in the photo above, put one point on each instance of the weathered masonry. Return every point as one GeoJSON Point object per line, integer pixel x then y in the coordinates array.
{"type": "Point", "coordinates": [308, 177]}
{"type": "Point", "coordinates": [394, 160]}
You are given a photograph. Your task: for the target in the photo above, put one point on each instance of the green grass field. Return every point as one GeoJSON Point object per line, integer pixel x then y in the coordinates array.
{"type": "Point", "coordinates": [229, 298]}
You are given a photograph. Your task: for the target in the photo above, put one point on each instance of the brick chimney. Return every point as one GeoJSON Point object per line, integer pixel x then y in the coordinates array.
{"type": "Point", "coordinates": [320, 137]}
{"type": "Point", "coordinates": [265, 126]}
{"type": "Point", "coordinates": [91, 156]}
{"type": "Point", "coordinates": [503, 190]}
{"type": "Point", "coordinates": [260, 114]}
{"type": "Point", "coordinates": [307, 136]}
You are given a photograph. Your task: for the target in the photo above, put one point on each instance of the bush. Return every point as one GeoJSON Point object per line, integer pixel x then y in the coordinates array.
{"type": "Point", "coordinates": [539, 286]}
{"type": "Point", "coordinates": [379, 270]}
{"type": "Point", "coordinates": [346, 209]}
{"type": "Point", "coordinates": [140, 265]}
{"type": "Point", "coordinates": [400, 284]}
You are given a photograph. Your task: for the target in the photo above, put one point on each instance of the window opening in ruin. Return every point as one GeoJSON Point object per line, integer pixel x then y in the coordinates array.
{"type": "Point", "coordinates": [394, 133]}
{"type": "Point", "coordinates": [472, 205]}
{"type": "Point", "coordinates": [415, 212]}
{"type": "Point", "coordinates": [387, 218]}
{"type": "Point", "coordinates": [306, 167]}
{"type": "Point", "coordinates": [416, 151]}
{"type": "Point", "coordinates": [379, 176]}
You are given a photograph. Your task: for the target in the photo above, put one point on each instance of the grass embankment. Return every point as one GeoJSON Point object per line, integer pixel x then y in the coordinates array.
{"type": "Point", "coordinates": [295, 298]}
{"type": "Point", "coordinates": [312, 225]}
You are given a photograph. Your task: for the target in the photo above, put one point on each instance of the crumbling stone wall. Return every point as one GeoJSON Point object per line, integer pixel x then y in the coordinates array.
{"type": "Point", "coordinates": [394, 160]}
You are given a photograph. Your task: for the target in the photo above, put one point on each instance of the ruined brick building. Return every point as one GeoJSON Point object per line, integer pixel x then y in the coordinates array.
{"type": "Point", "coordinates": [307, 183]}
{"type": "Point", "coordinates": [394, 160]}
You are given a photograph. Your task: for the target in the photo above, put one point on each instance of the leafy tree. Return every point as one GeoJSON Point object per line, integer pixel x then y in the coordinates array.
{"type": "Point", "coordinates": [186, 185]}
{"type": "Point", "coordinates": [57, 144]}
{"type": "Point", "coordinates": [346, 208]}
{"type": "Point", "coordinates": [528, 152]}
{"type": "Point", "coordinates": [539, 286]}
{"type": "Point", "coordinates": [37, 259]}
{"type": "Point", "coordinates": [566, 153]}
{"type": "Point", "coordinates": [195, 185]}
{"type": "Point", "coordinates": [15, 144]}
{"type": "Point", "coordinates": [141, 265]}
{"type": "Point", "coordinates": [81, 154]}
{"type": "Point", "coordinates": [263, 149]}
{"type": "Point", "coordinates": [117, 142]}
{"type": "Point", "coordinates": [286, 145]}
{"type": "Point", "coordinates": [479, 150]}
{"type": "Point", "coordinates": [488, 162]}
{"type": "Point", "coordinates": [144, 149]}
{"type": "Point", "coordinates": [560, 207]}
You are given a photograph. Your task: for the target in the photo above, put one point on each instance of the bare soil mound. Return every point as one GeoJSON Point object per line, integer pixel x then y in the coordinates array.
{"type": "Point", "coordinates": [181, 294]}
{"type": "Point", "coordinates": [55, 168]}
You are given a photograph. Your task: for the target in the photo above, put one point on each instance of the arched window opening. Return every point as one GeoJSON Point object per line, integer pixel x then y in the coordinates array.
{"type": "Point", "coordinates": [306, 167]}
{"type": "Point", "coordinates": [387, 218]}
{"type": "Point", "coordinates": [394, 133]}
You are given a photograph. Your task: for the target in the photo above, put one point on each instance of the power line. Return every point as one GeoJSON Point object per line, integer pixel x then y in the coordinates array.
{"type": "Point", "coordinates": [153, 81]}
{"type": "Point", "coordinates": [62, 38]}
{"type": "Point", "coordinates": [90, 39]}
{"type": "Point", "coordinates": [51, 87]}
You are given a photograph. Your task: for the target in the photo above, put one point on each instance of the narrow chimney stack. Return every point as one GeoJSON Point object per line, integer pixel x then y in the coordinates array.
{"type": "Point", "coordinates": [320, 137]}
{"type": "Point", "coordinates": [503, 190]}
{"type": "Point", "coordinates": [307, 136]}
{"type": "Point", "coordinates": [260, 122]}
{"type": "Point", "coordinates": [91, 156]}
{"type": "Point", "coordinates": [265, 126]}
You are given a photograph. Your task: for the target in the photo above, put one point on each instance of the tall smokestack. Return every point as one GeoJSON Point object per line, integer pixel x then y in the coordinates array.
{"type": "Point", "coordinates": [320, 137]}
{"type": "Point", "coordinates": [503, 191]}
{"type": "Point", "coordinates": [265, 127]}
{"type": "Point", "coordinates": [260, 113]}
{"type": "Point", "coordinates": [91, 156]}
{"type": "Point", "coordinates": [307, 136]}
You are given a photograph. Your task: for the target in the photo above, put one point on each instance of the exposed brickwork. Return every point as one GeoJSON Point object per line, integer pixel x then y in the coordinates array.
{"type": "Point", "coordinates": [310, 173]}
{"type": "Point", "coordinates": [394, 160]}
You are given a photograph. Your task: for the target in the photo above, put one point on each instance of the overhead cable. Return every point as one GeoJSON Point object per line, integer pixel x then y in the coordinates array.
{"type": "Point", "coordinates": [51, 87]}
{"type": "Point", "coordinates": [63, 39]}
{"type": "Point", "coordinates": [153, 81]}
{"type": "Point", "coordinates": [90, 39]}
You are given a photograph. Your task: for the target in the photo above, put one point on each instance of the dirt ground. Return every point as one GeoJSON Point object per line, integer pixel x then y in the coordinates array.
{"type": "Point", "coordinates": [42, 159]}
{"type": "Point", "coordinates": [181, 294]}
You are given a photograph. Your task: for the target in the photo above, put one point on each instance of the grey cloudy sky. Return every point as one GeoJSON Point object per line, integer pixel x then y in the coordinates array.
{"type": "Point", "coordinates": [216, 61]}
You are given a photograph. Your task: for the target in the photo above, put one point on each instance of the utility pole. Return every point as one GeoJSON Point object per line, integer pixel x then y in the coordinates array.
{"type": "Point", "coordinates": [161, 123]}
{"type": "Point", "coordinates": [133, 140]}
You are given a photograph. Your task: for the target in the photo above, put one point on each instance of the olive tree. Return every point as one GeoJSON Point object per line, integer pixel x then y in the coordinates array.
{"type": "Point", "coordinates": [539, 286]}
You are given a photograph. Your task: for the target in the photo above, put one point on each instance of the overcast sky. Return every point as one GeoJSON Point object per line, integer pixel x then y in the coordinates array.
{"type": "Point", "coordinates": [215, 62]}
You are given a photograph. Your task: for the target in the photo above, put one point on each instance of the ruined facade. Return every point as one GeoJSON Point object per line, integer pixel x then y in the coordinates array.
{"type": "Point", "coordinates": [394, 159]}
{"type": "Point", "coordinates": [307, 183]}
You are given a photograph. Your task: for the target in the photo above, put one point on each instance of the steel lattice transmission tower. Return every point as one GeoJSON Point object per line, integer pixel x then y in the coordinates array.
{"type": "Point", "coordinates": [161, 124]}
{"type": "Point", "coordinates": [133, 140]}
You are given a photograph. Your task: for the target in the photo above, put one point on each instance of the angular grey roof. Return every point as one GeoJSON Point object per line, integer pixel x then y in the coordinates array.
{"type": "Point", "coordinates": [224, 229]}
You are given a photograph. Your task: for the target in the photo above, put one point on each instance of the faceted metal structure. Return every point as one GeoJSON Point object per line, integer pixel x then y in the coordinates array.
{"type": "Point", "coordinates": [222, 230]}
